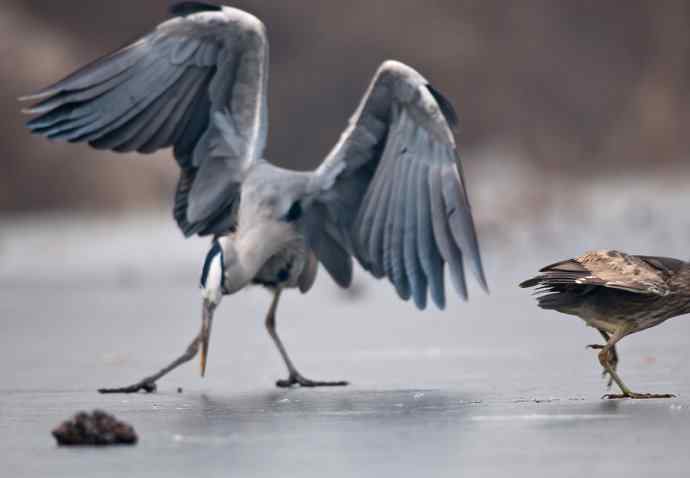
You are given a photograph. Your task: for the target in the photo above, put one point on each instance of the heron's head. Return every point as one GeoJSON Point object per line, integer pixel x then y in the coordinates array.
{"type": "Point", "coordinates": [212, 290]}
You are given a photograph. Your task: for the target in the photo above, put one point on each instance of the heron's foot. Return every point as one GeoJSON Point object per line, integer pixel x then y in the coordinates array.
{"type": "Point", "coordinates": [297, 379]}
{"type": "Point", "coordinates": [617, 396]}
{"type": "Point", "coordinates": [146, 385]}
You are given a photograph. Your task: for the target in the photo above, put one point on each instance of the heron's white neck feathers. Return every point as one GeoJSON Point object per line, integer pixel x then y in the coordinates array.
{"type": "Point", "coordinates": [213, 288]}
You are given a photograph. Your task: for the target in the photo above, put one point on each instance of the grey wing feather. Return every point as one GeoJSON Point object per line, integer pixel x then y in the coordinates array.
{"type": "Point", "coordinates": [328, 250]}
{"type": "Point", "coordinates": [308, 276]}
{"type": "Point", "coordinates": [196, 83]}
{"type": "Point", "coordinates": [411, 212]}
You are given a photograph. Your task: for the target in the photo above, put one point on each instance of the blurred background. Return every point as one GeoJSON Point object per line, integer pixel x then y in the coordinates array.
{"type": "Point", "coordinates": [554, 89]}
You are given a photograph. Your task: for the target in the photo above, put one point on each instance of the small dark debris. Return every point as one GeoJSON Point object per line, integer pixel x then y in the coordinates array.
{"type": "Point", "coordinates": [97, 428]}
{"type": "Point", "coordinates": [536, 400]}
{"type": "Point", "coordinates": [179, 389]}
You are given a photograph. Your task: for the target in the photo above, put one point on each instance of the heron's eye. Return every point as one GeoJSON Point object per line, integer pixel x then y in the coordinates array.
{"type": "Point", "coordinates": [294, 213]}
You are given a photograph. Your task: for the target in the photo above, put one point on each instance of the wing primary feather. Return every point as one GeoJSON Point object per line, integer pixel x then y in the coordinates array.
{"type": "Point", "coordinates": [70, 114]}
{"type": "Point", "coordinates": [64, 128]}
{"type": "Point", "coordinates": [155, 85]}
{"type": "Point", "coordinates": [141, 128]}
{"type": "Point", "coordinates": [391, 211]}
{"type": "Point", "coordinates": [366, 216]}
{"type": "Point", "coordinates": [400, 275]}
{"type": "Point", "coordinates": [96, 72]}
{"type": "Point", "coordinates": [418, 281]}
{"type": "Point", "coordinates": [192, 125]}
{"type": "Point", "coordinates": [430, 256]}
{"type": "Point", "coordinates": [377, 242]}
{"type": "Point", "coordinates": [74, 97]}
{"type": "Point", "coordinates": [442, 233]}
{"type": "Point", "coordinates": [460, 220]}
{"type": "Point", "coordinates": [165, 109]}
{"type": "Point", "coordinates": [113, 111]}
{"type": "Point", "coordinates": [177, 114]}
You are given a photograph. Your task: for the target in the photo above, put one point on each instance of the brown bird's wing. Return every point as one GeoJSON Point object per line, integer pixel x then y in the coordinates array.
{"type": "Point", "coordinates": [566, 272]}
{"type": "Point", "coordinates": [666, 265]}
{"type": "Point", "coordinates": [611, 269]}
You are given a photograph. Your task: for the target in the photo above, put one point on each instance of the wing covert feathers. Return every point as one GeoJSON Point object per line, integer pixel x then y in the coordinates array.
{"type": "Point", "coordinates": [608, 268]}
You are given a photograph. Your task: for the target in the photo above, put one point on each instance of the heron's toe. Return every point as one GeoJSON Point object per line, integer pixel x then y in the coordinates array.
{"type": "Point", "coordinates": [295, 380]}
{"type": "Point", "coordinates": [637, 396]}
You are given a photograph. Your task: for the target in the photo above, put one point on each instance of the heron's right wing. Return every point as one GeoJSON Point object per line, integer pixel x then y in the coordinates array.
{"type": "Point", "coordinates": [197, 83]}
{"type": "Point", "coordinates": [611, 269]}
{"type": "Point", "coordinates": [391, 192]}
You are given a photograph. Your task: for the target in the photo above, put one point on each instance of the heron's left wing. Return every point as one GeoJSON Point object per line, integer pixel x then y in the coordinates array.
{"type": "Point", "coordinates": [196, 83]}
{"type": "Point", "coordinates": [391, 192]}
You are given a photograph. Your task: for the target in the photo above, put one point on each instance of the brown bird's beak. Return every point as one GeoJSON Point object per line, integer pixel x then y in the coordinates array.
{"type": "Point", "coordinates": [206, 322]}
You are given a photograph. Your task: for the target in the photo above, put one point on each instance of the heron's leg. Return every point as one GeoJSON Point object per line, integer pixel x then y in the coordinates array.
{"type": "Point", "coordinates": [148, 384]}
{"type": "Point", "coordinates": [613, 356]}
{"type": "Point", "coordinates": [294, 377]}
{"type": "Point", "coordinates": [605, 360]}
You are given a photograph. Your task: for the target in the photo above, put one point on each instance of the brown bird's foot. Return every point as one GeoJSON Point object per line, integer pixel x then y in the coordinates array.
{"type": "Point", "coordinates": [143, 386]}
{"type": "Point", "coordinates": [617, 396]}
{"type": "Point", "coordinates": [612, 359]}
{"type": "Point", "coordinates": [297, 379]}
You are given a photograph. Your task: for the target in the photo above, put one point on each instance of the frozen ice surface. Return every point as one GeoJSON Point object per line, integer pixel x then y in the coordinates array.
{"type": "Point", "coordinates": [492, 387]}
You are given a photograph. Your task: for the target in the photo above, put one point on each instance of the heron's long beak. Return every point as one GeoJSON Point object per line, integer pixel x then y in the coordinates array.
{"type": "Point", "coordinates": [206, 322]}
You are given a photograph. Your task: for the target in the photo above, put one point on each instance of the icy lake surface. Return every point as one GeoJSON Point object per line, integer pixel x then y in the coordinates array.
{"type": "Point", "coordinates": [491, 387]}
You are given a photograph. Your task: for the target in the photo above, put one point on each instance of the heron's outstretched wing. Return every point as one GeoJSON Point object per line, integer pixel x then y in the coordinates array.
{"type": "Point", "coordinates": [610, 269]}
{"type": "Point", "coordinates": [197, 83]}
{"type": "Point", "coordinates": [391, 192]}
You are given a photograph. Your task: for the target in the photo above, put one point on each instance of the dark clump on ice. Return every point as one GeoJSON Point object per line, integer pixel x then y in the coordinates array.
{"type": "Point", "coordinates": [97, 428]}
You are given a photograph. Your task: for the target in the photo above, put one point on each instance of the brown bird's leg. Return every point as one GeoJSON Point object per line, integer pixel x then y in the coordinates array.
{"type": "Point", "coordinates": [613, 356]}
{"type": "Point", "coordinates": [294, 377]}
{"type": "Point", "coordinates": [605, 360]}
{"type": "Point", "coordinates": [148, 384]}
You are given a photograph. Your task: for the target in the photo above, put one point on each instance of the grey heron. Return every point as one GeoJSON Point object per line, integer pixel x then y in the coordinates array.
{"type": "Point", "coordinates": [390, 194]}
{"type": "Point", "coordinates": [618, 294]}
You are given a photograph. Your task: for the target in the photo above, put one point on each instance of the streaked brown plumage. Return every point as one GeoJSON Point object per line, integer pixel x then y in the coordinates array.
{"type": "Point", "coordinates": [618, 294]}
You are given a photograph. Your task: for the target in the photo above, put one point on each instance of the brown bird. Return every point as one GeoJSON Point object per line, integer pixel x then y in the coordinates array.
{"type": "Point", "coordinates": [618, 294]}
